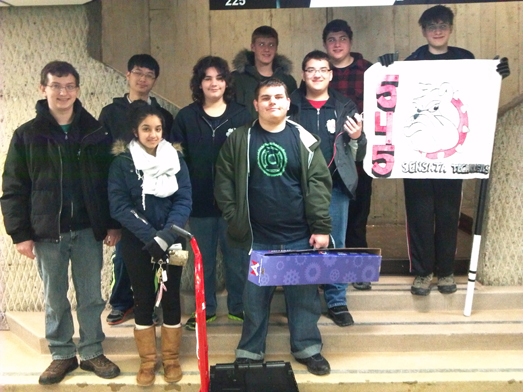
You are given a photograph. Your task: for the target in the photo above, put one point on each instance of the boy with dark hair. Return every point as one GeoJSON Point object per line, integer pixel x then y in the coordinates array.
{"type": "Point", "coordinates": [56, 209]}
{"type": "Point", "coordinates": [347, 79]}
{"type": "Point", "coordinates": [433, 205]}
{"type": "Point", "coordinates": [327, 113]}
{"type": "Point", "coordinates": [273, 186]}
{"type": "Point", "coordinates": [260, 63]}
{"type": "Point", "coordinates": [202, 128]}
{"type": "Point", "coordinates": [142, 72]}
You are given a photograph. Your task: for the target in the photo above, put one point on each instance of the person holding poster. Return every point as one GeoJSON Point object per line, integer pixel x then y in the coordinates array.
{"type": "Point", "coordinates": [260, 63]}
{"type": "Point", "coordinates": [328, 114]}
{"type": "Point", "coordinates": [347, 78]}
{"type": "Point", "coordinates": [433, 205]}
{"type": "Point", "coordinates": [274, 189]}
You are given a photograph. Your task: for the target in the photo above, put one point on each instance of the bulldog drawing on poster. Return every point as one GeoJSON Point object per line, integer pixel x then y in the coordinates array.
{"type": "Point", "coordinates": [439, 126]}
{"type": "Point", "coordinates": [431, 119]}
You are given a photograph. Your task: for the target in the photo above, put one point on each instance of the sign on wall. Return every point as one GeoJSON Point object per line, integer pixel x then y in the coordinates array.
{"type": "Point", "coordinates": [431, 119]}
{"type": "Point", "coordinates": [261, 4]}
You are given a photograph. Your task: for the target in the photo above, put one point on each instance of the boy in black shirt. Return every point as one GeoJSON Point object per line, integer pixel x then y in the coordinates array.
{"type": "Point", "coordinates": [273, 187]}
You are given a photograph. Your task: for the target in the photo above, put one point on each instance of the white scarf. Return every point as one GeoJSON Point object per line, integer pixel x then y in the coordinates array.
{"type": "Point", "coordinates": [159, 172]}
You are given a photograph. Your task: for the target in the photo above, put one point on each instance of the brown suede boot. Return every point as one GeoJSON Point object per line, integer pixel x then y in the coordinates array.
{"type": "Point", "coordinates": [171, 339]}
{"type": "Point", "coordinates": [146, 343]}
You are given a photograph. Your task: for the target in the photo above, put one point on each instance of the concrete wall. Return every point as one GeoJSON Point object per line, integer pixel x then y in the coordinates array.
{"type": "Point", "coordinates": [179, 32]}
{"type": "Point", "coordinates": [30, 37]}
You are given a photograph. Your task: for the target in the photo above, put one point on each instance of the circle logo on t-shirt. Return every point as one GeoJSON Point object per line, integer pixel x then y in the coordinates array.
{"type": "Point", "coordinates": [272, 159]}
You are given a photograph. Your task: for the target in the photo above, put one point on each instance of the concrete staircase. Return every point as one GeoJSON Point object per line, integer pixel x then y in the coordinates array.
{"type": "Point", "coordinates": [399, 343]}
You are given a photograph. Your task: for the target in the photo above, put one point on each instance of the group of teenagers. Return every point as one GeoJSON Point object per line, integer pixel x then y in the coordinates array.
{"type": "Point", "coordinates": [254, 163]}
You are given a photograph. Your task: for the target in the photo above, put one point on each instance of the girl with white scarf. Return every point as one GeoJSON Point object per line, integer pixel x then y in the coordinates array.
{"type": "Point", "coordinates": [149, 191]}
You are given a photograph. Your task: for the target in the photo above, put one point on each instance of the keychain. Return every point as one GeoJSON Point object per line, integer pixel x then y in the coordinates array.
{"type": "Point", "coordinates": [161, 276]}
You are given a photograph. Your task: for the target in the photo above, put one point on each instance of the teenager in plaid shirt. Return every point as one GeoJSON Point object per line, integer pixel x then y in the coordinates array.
{"type": "Point", "coordinates": [347, 78]}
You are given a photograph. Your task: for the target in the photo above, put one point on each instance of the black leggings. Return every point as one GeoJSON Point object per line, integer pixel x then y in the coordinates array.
{"type": "Point", "coordinates": [142, 274]}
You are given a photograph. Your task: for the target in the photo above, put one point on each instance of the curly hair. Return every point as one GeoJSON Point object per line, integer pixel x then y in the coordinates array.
{"type": "Point", "coordinates": [198, 74]}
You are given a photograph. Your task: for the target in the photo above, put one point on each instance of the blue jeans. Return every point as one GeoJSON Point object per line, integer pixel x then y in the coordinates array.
{"type": "Point", "coordinates": [335, 294]}
{"type": "Point", "coordinates": [86, 257]}
{"type": "Point", "coordinates": [303, 312]}
{"type": "Point", "coordinates": [121, 292]}
{"type": "Point", "coordinates": [209, 232]}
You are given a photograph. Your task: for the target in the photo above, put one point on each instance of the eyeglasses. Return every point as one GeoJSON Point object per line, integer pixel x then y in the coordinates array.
{"type": "Point", "coordinates": [139, 75]}
{"type": "Point", "coordinates": [58, 88]}
{"type": "Point", "coordinates": [312, 71]}
{"type": "Point", "coordinates": [434, 27]}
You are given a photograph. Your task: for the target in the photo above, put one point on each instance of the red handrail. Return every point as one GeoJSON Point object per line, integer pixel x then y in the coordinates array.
{"type": "Point", "coordinates": [202, 349]}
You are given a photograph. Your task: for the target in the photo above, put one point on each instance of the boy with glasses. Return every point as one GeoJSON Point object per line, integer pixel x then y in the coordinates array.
{"type": "Point", "coordinates": [328, 114]}
{"type": "Point", "coordinates": [56, 209]}
{"type": "Point", "coordinates": [142, 72]}
{"type": "Point", "coordinates": [260, 63]}
{"type": "Point", "coordinates": [433, 205]}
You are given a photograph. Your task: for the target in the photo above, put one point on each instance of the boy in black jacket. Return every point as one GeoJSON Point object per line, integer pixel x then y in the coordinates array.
{"type": "Point", "coordinates": [433, 205]}
{"type": "Point", "coordinates": [56, 209]}
{"type": "Point", "coordinates": [327, 113]}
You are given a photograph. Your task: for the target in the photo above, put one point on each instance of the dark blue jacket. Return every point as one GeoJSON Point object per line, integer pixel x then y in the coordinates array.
{"type": "Point", "coordinates": [453, 53]}
{"type": "Point", "coordinates": [338, 107]}
{"type": "Point", "coordinates": [115, 118]}
{"type": "Point", "coordinates": [125, 198]}
{"type": "Point", "coordinates": [201, 144]}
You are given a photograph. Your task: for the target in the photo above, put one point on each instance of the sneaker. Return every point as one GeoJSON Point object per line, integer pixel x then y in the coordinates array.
{"type": "Point", "coordinates": [191, 323]}
{"type": "Point", "coordinates": [447, 284]}
{"type": "Point", "coordinates": [101, 366]}
{"type": "Point", "coordinates": [316, 365]}
{"type": "Point", "coordinates": [236, 316]}
{"type": "Point", "coordinates": [341, 316]}
{"type": "Point", "coordinates": [57, 370]}
{"type": "Point", "coordinates": [362, 285]}
{"type": "Point", "coordinates": [118, 316]}
{"type": "Point", "coordinates": [421, 285]}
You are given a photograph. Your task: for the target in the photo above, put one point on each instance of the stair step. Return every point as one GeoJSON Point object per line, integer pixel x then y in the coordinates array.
{"type": "Point", "coordinates": [441, 371]}
{"type": "Point", "coordinates": [392, 293]}
{"type": "Point", "coordinates": [373, 332]}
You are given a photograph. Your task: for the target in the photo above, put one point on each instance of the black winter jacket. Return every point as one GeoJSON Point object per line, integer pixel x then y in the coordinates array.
{"type": "Point", "coordinates": [114, 117]}
{"type": "Point", "coordinates": [201, 145]}
{"type": "Point", "coordinates": [33, 202]}
{"type": "Point", "coordinates": [454, 53]}
{"type": "Point", "coordinates": [347, 150]}
{"type": "Point", "coordinates": [246, 77]}
{"type": "Point", "coordinates": [125, 196]}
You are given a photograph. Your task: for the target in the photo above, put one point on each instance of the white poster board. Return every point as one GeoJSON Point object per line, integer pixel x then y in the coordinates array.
{"type": "Point", "coordinates": [431, 119]}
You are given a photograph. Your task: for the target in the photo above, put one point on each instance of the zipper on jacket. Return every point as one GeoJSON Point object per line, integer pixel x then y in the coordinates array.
{"type": "Point", "coordinates": [213, 137]}
{"type": "Point", "coordinates": [61, 192]}
{"type": "Point", "coordinates": [247, 189]}
{"type": "Point", "coordinates": [89, 134]}
{"type": "Point", "coordinates": [318, 121]}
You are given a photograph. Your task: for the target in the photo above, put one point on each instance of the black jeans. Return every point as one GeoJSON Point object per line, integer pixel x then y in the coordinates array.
{"type": "Point", "coordinates": [432, 208]}
{"type": "Point", "coordinates": [142, 273]}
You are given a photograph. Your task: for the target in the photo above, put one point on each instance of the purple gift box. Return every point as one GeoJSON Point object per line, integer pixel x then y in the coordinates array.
{"type": "Point", "coordinates": [314, 266]}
